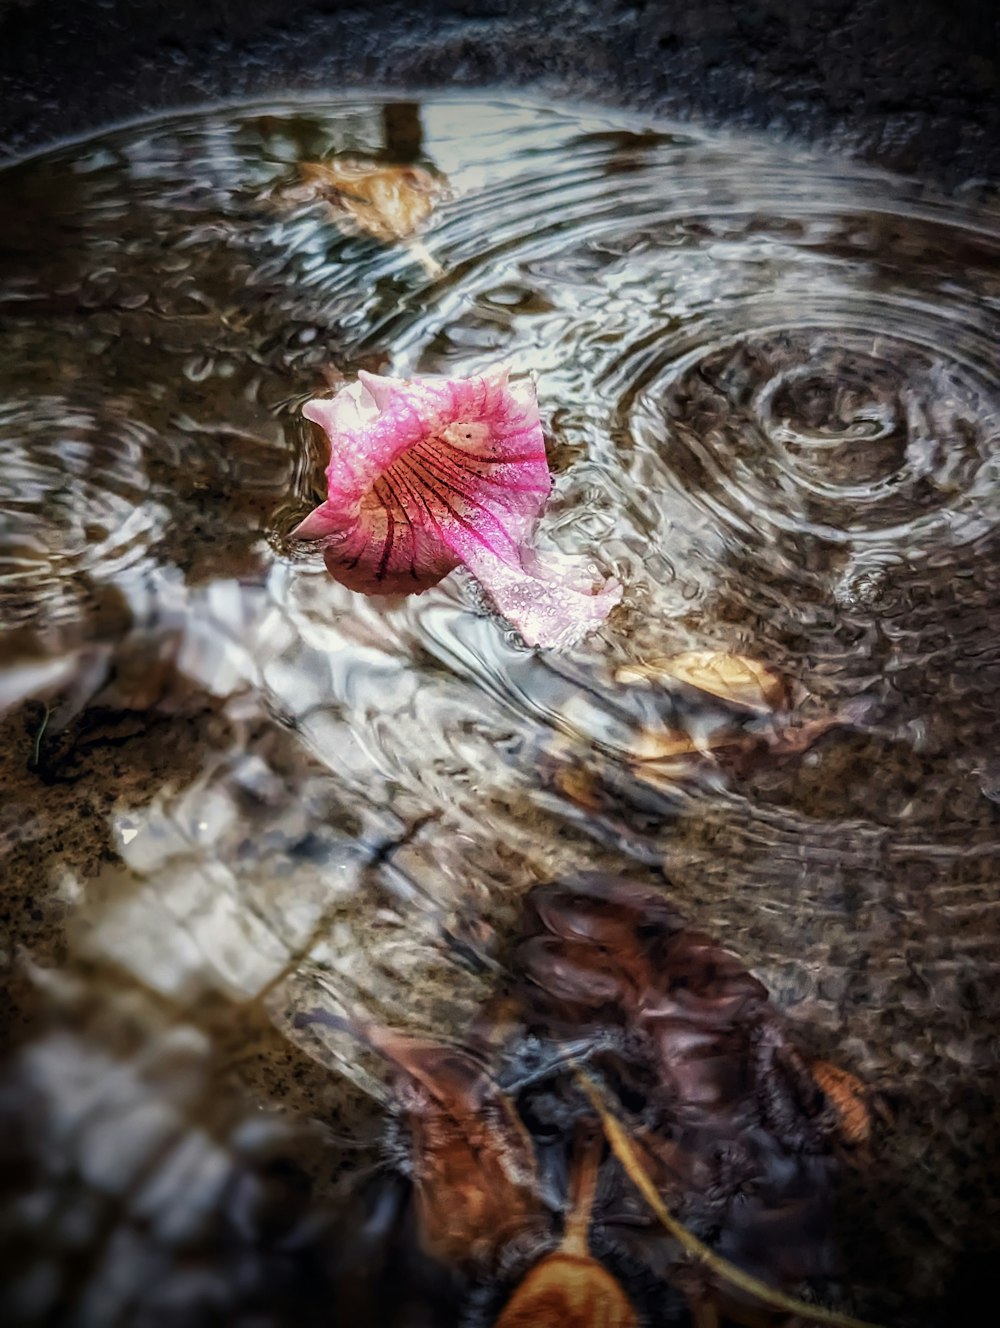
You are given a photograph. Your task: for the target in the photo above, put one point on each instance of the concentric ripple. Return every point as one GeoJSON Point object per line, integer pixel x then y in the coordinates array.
{"type": "Point", "coordinates": [77, 513]}
{"type": "Point", "coordinates": [841, 435]}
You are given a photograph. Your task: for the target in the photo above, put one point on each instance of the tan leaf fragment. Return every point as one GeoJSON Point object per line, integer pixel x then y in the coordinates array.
{"type": "Point", "coordinates": [734, 678]}
{"type": "Point", "coordinates": [850, 1100]}
{"type": "Point", "coordinates": [661, 745]}
{"type": "Point", "coordinates": [385, 201]}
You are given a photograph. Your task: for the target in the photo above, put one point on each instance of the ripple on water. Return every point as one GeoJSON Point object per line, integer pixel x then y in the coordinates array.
{"type": "Point", "coordinates": [772, 406]}
{"type": "Point", "coordinates": [77, 512]}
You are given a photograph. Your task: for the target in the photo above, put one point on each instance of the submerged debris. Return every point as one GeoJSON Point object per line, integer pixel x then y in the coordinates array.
{"type": "Point", "coordinates": [670, 724]}
{"type": "Point", "coordinates": [743, 682]}
{"type": "Point", "coordinates": [388, 201]}
{"type": "Point", "coordinates": [628, 1135]}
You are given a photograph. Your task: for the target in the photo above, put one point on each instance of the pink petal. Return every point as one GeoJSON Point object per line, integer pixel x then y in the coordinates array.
{"type": "Point", "coordinates": [427, 474]}
{"type": "Point", "coordinates": [548, 606]}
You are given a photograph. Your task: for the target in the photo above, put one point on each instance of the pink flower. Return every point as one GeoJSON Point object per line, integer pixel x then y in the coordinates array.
{"type": "Point", "coordinates": [428, 474]}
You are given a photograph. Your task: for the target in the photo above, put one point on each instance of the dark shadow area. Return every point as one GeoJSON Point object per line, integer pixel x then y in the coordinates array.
{"type": "Point", "coordinates": [913, 86]}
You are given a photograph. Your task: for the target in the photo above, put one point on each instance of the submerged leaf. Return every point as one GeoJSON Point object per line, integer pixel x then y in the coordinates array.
{"type": "Point", "coordinates": [618, 1024]}
{"type": "Point", "coordinates": [734, 678]}
{"type": "Point", "coordinates": [565, 1291]}
{"type": "Point", "coordinates": [569, 1288]}
{"type": "Point", "coordinates": [696, 716]}
{"type": "Point", "coordinates": [385, 201]}
{"type": "Point", "coordinates": [632, 1164]}
{"type": "Point", "coordinates": [731, 1123]}
{"type": "Point", "coordinates": [472, 1162]}
{"type": "Point", "coordinates": [428, 474]}
{"type": "Point", "coordinates": [850, 1099]}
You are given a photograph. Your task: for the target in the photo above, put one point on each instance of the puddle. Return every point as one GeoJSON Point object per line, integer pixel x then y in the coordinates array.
{"type": "Point", "coordinates": [237, 790]}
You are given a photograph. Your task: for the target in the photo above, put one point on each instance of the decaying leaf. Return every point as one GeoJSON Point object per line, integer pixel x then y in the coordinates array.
{"type": "Point", "coordinates": [632, 1163]}
{"type": "Point", "coordinates": [736, 1128]}
{"type": "Point", "coordinates": [569, 1288]}
{"type": "Point", "coordinates": [579, 785]}
{"type": "Point", "coordinates": [850, 1099]}
{"type": "Point", "coordinates": [734, 678]}
{"type": "Point", "coordinates": [620, 1025]}
{"type": "Point", "coordinates": [386, 201]}
{"type": "Point", "coordinates": [472, 1161]}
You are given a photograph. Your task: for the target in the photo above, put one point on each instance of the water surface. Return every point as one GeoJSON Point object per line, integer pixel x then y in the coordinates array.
{"type": "Point", "coordinates": [772, 405]}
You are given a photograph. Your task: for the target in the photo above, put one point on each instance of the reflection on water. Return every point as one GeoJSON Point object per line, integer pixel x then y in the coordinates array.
{"type": "Point", "coordinates": [236, 790]}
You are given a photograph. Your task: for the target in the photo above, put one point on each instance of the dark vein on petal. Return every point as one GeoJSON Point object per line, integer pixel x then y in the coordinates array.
{"type": "Point", "coordinates": [520, 458]}
{"type": "Point", "coordinates": [503, 487]}
{"type": "Point", "coordinates": [468, 525]}
{"type": "Point", "coordinates": [461, 475]}
{"type": "Point", "coordinates": [390, 535]}
{"type": "Point", "coordinates": [467, 475]}
{"type": "Point", "coordinates": [406, 517]}
{"type": "Point", "coordinates": [418, 497]}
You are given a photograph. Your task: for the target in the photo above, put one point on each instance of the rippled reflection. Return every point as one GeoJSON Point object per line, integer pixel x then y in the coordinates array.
{"type": "Point", "coordinates": [772, 408]}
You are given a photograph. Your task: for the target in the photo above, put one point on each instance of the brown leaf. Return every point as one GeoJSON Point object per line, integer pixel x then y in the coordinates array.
{"type": "Point", "coordinates": [732, 1118]}
{"type": "Point", "coordinates": [385, 201]}
{"type": "Point", "coordinates": [850, 1100]}
{"type": "Point", "coordinates": [472, 1161]}
{"type": "Point", "coordinates": [569, 1289]}
{"type": "Point", "coordinates": [594, 940]}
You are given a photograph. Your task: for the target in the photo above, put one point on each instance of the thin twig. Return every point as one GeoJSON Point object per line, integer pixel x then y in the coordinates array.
{"type": "Point", "coordinates": [626, 1154]}
{"type": "Point", "coordinates": [36, 754]}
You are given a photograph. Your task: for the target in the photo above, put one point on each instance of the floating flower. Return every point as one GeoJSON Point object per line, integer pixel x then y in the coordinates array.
{"type": "Point", "coordinates": [429, 474]}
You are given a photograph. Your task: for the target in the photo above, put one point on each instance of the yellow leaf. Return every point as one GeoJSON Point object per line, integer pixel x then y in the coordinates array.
{"type": "Point", "coordinates": [734, 678]}
{"type": "Point", "coordinates": [661, 745]}
{"type": "Point", "coordinates": [567, 1292]}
